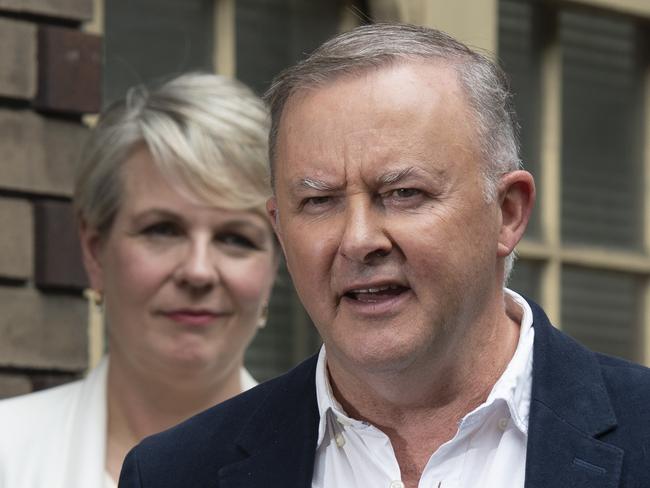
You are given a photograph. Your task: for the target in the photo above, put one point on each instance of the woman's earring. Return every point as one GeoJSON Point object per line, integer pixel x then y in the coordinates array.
{"type": "Point", "coordinates": [95, 297]}
{"type": "Point", "coordinates": [261, 323]}
{"type": "Point", "coordinates": [96, 330]}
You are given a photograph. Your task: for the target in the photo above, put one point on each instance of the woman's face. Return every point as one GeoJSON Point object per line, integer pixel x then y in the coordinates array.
{"type": "Point", "coordinates": [185, 284]}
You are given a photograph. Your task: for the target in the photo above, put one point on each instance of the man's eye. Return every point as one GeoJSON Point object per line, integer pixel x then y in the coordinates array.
{"type": "Point", "coordinates": [405, 193]}
{"type": "Point", "coordinates": [237, 240]}
{"type": "Point", "coordinates": [162, 229]}
{"type": "Point", "coordinates": [316, 201]}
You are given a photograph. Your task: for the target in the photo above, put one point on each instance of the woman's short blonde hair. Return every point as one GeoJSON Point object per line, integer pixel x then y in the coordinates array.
{"type": "Point", "coordinates": [207, 132]}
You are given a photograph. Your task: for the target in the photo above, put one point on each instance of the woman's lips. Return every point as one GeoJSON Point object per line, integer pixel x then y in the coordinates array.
{"type": "Point", "coordinates": [193, 317]}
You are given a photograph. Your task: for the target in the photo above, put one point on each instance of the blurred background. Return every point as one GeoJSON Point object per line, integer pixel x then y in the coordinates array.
{"type": "Point", "coordinates": [580, 71]}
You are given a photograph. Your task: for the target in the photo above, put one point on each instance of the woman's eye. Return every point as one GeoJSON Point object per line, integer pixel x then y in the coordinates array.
{"type": "Point", "coordinates": [162, 229]}
{"type": "Point", "coordinates": [237, 240]}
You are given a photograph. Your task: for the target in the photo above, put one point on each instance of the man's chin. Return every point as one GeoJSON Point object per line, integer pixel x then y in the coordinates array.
{"type": "Point", "coordinates": [378, 361]}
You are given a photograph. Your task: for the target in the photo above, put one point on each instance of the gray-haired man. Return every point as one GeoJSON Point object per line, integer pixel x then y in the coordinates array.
{"type": "Point", "coordinates": [398, 200]}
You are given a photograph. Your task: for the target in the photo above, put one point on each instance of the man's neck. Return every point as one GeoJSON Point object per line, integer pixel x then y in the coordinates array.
{"type": "Point", "coordinates": [420, 408]}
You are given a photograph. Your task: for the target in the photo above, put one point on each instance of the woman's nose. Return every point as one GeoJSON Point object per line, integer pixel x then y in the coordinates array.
{"type": "Point", "coordinates": [197, 268]}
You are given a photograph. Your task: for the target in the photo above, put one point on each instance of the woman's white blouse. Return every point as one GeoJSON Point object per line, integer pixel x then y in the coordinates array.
{"type": "Point", "coordinates": [56, 438]}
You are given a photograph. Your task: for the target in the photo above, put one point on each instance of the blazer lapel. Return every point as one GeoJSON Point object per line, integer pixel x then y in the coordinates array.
{"type": "Point", "coordinates": [570, 410]}
{"type": "Point", "coordinates": [279, 441]}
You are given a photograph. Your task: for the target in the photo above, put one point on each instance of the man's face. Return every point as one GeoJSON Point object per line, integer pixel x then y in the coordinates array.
{"type": "Point", "coordinates": [380, 212]}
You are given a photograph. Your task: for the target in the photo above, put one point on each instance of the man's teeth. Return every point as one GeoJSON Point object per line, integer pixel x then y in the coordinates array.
{"type": "Point", "coordinates": [376, 290]}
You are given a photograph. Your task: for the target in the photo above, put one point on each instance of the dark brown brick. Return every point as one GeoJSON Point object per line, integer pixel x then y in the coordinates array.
{"type": "Point", "coordinates": [69, 70]}
{"type": "Point", "coordinates": [16, 239]}
{"type": "Point", "coordinates": [42, 331]}
{"type": "Point", "coordinates": [58, 253]}
{"type": "Point", "coordinates": [17, 59]}
{"type": "Point", "coordinates": [38, 154]}
{"type": "Point", "coordinates": [67, 9]}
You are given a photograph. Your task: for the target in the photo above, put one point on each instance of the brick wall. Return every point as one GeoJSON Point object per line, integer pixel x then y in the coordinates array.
{"type": "Point", "coordinates": [49, 77]}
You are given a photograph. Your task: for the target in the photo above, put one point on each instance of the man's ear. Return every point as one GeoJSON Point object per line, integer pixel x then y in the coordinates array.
{"type": "Point", "coordinates": [91, 249]}
{"type": "Point", "coordinates": [516, 199]}
{"type": "Point", "coordinates": [272, 211]}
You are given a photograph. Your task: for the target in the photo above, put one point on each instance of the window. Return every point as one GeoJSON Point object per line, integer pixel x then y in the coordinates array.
{"type": "Point", "coordinates": [182, 30]}
{"type": "Point", "coordinates": [579, 80]}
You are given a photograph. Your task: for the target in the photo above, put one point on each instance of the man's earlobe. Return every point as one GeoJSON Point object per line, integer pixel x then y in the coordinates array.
{"type": "Point", "coordinates": [516, 199]}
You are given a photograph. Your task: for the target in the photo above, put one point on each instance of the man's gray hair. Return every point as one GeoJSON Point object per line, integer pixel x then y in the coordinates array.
{"type": "Point", "coordinates": [379, 45]}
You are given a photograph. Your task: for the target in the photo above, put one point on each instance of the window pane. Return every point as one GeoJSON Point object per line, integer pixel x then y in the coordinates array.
{"type": "Point", "coordinates": [525, 279]}
{"type": "Point", "coordinates": [601, 149]}
{"type": "Point", "coordinates": [602, 310]}
{"type": "Point", "coordinates": [274, 34]}
{"type": "Point", "coordinates": [147, 40]}
{"type": "Point", "coordinates": [519, 53]}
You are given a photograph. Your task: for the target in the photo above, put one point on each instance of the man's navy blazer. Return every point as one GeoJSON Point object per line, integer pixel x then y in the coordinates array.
{"type": "Point", "coordinates": [589, 427]}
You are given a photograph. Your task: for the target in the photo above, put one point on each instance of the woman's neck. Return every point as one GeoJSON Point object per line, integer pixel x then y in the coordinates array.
{"type": "Point", "coordinates": [140, 404]}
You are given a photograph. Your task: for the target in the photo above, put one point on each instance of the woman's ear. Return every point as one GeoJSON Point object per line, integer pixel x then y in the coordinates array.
{"type": "Point", "coordinates": [91, 254]}
{"type": "Point", "coordinates": [516, 200]}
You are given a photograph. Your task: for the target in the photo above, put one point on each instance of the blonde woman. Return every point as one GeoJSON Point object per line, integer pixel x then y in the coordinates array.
{"type": "Point", "coordinates": [170, 197]}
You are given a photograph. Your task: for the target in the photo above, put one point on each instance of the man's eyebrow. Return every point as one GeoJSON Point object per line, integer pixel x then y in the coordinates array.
{"type": "Point", "coordinates": [313, 184]}
{"type": "Point", "coordinates": [398, 175]}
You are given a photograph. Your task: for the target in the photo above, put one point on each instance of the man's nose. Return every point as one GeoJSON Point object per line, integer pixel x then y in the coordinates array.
{"type": "Point", "coordinates": [365, 237]}
{"type": "Point", "coordinates": [197, 268]}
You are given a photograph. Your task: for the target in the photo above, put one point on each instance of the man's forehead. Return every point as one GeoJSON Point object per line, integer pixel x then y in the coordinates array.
{"type": "Point", "coordinates": [344, 112]}
{"type": "Point", "coordinates": [439, 72]}
{"type": "Point", "coordinates": [384, 124]}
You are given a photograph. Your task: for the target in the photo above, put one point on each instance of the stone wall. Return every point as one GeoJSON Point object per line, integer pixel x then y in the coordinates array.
{"type": "Point", "coordinates": [50, 75]}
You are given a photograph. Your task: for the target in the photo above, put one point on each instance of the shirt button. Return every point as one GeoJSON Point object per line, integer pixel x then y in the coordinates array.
{"type": "Point", "coordinates": [503, 423]}
{"type": "Point", "coordinates": [340, 440]}
{"type": "Point", "coordinates": [396, 484]}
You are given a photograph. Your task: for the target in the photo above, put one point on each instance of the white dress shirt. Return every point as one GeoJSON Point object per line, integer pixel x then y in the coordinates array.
{"type": "Point", "coordinates": [489, 448]}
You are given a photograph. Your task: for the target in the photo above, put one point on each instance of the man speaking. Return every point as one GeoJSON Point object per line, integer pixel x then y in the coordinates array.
{"type": "Point", "coordinates": [398, 201]}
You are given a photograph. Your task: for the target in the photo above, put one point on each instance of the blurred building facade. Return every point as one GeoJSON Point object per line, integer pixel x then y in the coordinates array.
{"type": "Point", "coordinates": [580, 71]}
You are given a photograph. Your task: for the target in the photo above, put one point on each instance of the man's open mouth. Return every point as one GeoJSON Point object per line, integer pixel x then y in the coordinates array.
{"type": "Point", "coordinates": [375, 294]}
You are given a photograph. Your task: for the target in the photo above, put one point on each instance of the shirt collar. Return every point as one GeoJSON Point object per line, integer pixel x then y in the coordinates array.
{"type": "Point", "coordinates": [513, 387]}
{"type": "Point", "coordinates": [328, 406]}
{"type": "Point", "coordinates": [515, 384]}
